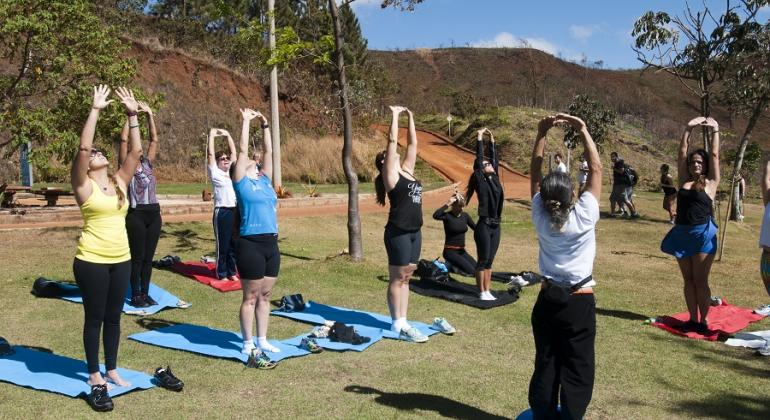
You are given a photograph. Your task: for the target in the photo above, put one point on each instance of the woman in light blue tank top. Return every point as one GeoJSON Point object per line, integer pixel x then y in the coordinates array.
{"type": "Point", "coordinates": [258, 257]}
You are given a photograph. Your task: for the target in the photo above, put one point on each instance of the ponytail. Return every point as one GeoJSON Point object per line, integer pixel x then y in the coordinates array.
{"type": "Point", "coordinates": [379, 184]}
{"type": "Point", "coordinates": [121, 195]}
{"type": "Point", "coordinates": [556, 195]}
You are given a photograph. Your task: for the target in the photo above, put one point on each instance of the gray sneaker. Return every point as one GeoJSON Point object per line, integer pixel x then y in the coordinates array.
{"type": "Point", "coordinates": [763, 310]}
{"type": "Point", "coordinates": [764, 350]}
{"type": "Point", "coordinates": [412, 334]}
{"type": "Point", "coordinates": [441, 325]}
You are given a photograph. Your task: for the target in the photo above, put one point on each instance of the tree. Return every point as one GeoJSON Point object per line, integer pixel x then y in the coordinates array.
{"type": "Point", "coordinates": [684, 47]}
{"type": "Point", "coordinates": [57, 51]}
{"type": "Point", "coordinates": [747, 92]}
{"type": "Point", "coordinates": [597, 117]}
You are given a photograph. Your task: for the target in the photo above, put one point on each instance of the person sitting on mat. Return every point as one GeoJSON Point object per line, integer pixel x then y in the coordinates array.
{"type": "Point", "coordinates": [402, 237]}
{"type": "Point", "coordinates": [564, 325]}
{"type": "Point", "coordinates": [456, 223]}
{"type": "Point", "coordinates": [693, 239]}
{"type": "Point", "coordinates": [224, 204]}
{"type": "Point", "coordinates": [143, 221]}
{"type": "Point", "coordinates": [257, 256]}
{"type": "Point", "coordinates": [486, 184]}
{"type": "Point", "coordinates": [102, 265]}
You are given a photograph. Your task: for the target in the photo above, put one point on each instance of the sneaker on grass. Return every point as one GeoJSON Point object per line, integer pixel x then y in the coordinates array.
{"type": "Point", "coordinates": [259, 360]}
{"type": "Point", "coordinates": [412, 334]}
{"type": "Point", "coordinates": [310, 345]}
{"type": "Point", "coordinates": [441, 325]}
{"type": "Point", "coordinates": [764, 350]}
{"type": "Point", "coordinates": [763, 310]}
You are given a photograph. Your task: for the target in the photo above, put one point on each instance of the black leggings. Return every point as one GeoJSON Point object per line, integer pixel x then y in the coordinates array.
{"type": "Point", "coordinates": [143, 226]}
{"type": "Point", "coordinates": [564, 357]}
{"type": "Point", "coordinates": [104, 291]}
{"type": "Point", "coordinates": [487, 241]}
{"type": "Point", "coordinates": [460, 261]}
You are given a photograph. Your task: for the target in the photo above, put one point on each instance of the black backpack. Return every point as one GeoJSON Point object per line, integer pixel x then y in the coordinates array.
{"type": "Point", "coordinates": [428, 271]}
{"type": "Point", "coordinates": [631, 176]}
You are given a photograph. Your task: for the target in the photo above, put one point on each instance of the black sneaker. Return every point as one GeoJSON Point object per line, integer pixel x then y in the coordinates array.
{"type": "Point", "coordinates": [150, 301]}
{"type": "Point", "coordinates": [99, 399]}
{"type": "Point", "coordinates": [139, 302]}
{"type": "Point", "coordinates": [167, 380]}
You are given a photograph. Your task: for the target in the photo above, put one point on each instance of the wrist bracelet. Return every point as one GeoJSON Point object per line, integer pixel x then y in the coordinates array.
{"type": "Point", "coordinates": [132, 113]}
{"type": "Point", "coordinates": [133, 126]}
{"type": "Point", "coordinates": [265, 125]}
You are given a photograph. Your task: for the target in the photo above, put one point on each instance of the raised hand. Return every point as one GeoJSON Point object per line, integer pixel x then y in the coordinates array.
{"type": "Point", "coordinates": [546, 123]}
{"type": "Point", "coordinates": [710, 122]}
{"type": "Point", "coordinates": [480, 133]}
{"type": "Point", "coordinates": [249, 114]}
{"type": "Point", "coordinates": [127, 98]}
{"type": "Point", "coordinates": [696, 122]}
{"type": "Point", "coordinates": [101, 93]}
{"type": "Point", "coordinates": [143, 107]}
{"type": "Point", "coordinates": [572, 120]}
{"type": "Point", "coordinates": [397, 109]}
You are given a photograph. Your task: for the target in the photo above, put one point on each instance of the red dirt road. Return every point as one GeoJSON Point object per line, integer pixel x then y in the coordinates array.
{"type": "Point", "coordinates": [456, 163]}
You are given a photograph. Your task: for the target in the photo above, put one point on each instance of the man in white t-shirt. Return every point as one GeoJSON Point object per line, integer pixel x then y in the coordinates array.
{"type": "Point", "coordinates": [560, 166]}
{"type": "Point", "coordinates": [564, 316]}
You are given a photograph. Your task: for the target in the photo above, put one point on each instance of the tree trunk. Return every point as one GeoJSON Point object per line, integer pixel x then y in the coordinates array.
{"type": "Point", "coordinates": [705, 111]}
{"type": "Point", "coordinates": [274, 117]}
{"type": "Point", "coordinates": [735, 210]}
{"type": "Point", "coordinates": [355, 246]}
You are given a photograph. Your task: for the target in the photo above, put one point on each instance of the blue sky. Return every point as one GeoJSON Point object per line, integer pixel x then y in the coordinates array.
{"type": "Point", "coordinates": [596, 29]}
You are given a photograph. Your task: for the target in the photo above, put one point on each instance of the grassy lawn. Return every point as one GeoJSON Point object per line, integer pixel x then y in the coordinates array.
{"type": "Point", "coordinates": [642, 372]}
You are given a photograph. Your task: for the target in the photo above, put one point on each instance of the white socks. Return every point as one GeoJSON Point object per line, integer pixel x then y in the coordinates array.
{"type": "Point", "coordinates": [399, 324]}
{"type": "Point", "coordinates": [248, 346]}
{"type": "Point", "coordinates": [486, 295]}
{"type": "Point", "coordinates": [265, 346]}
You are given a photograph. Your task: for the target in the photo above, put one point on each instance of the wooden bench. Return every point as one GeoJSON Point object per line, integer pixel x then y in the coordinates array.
{"type": "Point", "coordinates": [9, 191]}
{"type": "Point", "coordinates": [52, 195]}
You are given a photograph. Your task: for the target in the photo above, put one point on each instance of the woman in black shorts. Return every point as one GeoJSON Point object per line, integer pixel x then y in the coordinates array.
{"type": "Point", "coordinates": [486, 184]}
{"type": "Point", "coordinates": [456, 223]}
{"type": "Point", "coordinates": [402, 233]}
{"type": "Point", "coordinates": [257, 257]}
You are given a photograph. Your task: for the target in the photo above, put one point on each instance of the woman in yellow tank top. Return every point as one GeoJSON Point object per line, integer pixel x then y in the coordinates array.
{"type": "Point", "coordinates": [102, 264]}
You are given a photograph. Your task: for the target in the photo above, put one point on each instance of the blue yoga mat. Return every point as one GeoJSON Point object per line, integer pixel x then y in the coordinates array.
{"type": "Point", "coordinates": [318, 313]}
{"type": "Point", "coordinates": [374, 334]}
{"type": "Point", "coordinates": [62, 375]}
{"type": "Point", "coordinates": [164, 299]}
{"type": "Point", "coordinates": [211, 342]}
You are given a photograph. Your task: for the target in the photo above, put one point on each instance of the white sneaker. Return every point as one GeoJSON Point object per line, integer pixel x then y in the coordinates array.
{"type": "Point", "coordinates": [763, 310]}
{"type": "Point", "coordinates": [412, 334]}
{"type": "Point", "coordinates": [487, 296]}
{"type": "Point", "coordinates": [764, 350]}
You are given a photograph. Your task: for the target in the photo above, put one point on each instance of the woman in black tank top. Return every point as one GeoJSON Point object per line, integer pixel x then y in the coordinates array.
{"type": "Point", "coordinates": [693, 239]}
{"type": "Point", "coordinates": [402, 232]}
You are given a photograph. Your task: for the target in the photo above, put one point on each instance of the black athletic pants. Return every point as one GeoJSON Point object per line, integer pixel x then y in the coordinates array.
{"type": "Point", "coordinates": [143, 226]}
{"type": "Point", "coordinates": [223, 234]}
{"type": "Point", "coordinates": [487, 241]}
{"type": "Point", "coordinates": [460, 261]}
{"type": "Point", "coordinates": [104, 291]}
{"type": "Point", "coordinates": [564, 357]}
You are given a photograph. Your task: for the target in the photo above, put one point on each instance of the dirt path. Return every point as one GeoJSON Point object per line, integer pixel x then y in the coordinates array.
{"type": "Point", "coordinates": [453, 162]}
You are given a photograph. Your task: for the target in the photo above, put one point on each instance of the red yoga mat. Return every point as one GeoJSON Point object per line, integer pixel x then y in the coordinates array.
{"type": "Point", "coordinates": [723, 319]}
{"type": "Point", "coordinates": [206, 274]}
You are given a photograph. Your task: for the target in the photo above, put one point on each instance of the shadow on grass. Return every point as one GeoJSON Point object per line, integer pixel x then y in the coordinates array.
{"type": "Point", "coordinates": [154, 323]}
{"type": "Point", "coordinates": [411, 401]}
{"type": "Point", "coordinates": [640, 254]}
{"type": "Point", "coordinates": [526, 203]}
{"type": "Point", "coordinates": [185, 239]}
{"type": "Point", "coordinates": [618, 313]}
{"type": "Point", "coordinates": [727, 406]}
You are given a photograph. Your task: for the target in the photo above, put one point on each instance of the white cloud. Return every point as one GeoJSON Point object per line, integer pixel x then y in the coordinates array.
{"type": "Point", "coordinates": [363, 3]}
{"type": "Point", "coordinates": [582, 32]}
{"type": "Point", "coordinates": [508, 40]}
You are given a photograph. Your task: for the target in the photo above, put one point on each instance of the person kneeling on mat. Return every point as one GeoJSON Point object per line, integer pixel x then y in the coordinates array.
{"type": "Point", "coordinates": [564, 315]}
{"type": "Point", "coordinates": [456, 223]}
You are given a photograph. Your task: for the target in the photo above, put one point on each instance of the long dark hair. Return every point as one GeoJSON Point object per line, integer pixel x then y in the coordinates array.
{"type": "Point", "coordinates": [379, 184]}
{"type": "Point", "coordinates": [700, 183]}
{"type": "Point", "coordinates": [556, 195]}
